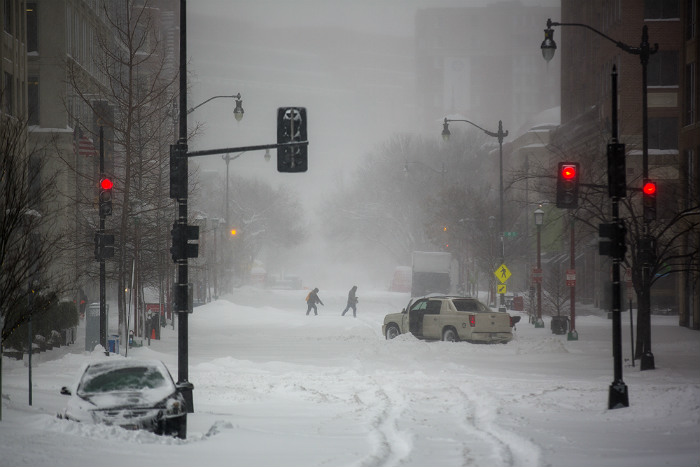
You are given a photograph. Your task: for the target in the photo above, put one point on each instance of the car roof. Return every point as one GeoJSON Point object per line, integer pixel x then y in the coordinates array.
{"type": "Point", "coordinates": [116, 363]}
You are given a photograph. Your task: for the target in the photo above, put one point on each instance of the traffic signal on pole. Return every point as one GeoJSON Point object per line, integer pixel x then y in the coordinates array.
{"type": "Point", "coordinates": [106, 186]}
{"type": "Point", "coordinates": [647, 250]}
{"type": "Point", "coordinates": [104, 246]}
{"type": "Point", "coordinates": [612, 240]}
{"type": "Point", "coordinates": [567, 185]}
{"type": "Point", "coordinates": [617, 171]}
{"type": "Point", "coordinates": [181, 247]}
{"type": "Point", "coordinates": [649, 200]}
{"type": "Point", "coordinates": [178, 171]}
{"type": "Point", "coordinates": [292, 127]}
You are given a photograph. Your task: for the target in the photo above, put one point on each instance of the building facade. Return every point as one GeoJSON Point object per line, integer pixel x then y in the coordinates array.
{"type": "Point", "coordinates": [483, 63]}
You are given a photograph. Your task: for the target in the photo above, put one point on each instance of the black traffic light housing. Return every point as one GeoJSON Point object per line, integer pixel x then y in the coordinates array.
{"type": "Point", "coordinates": [612, 240]}
{"type": "Point", "coordinates": [178, 171]}
{"type": "Point", "coordinates": [649, 200]}
{"type": "Point", "coordinates": [568, 176]}
{"type": "Point", "coordinates": [617, 171]}
{"type": "Point", "coordinates": [647, 250]}
{"type": "Point", "coordinates": [106, 186]}
{"type": "Point", "coordinates": [181, 248]}
{"type": "Point", "coordinates": [292, 127]}
{"type": "Point", "coordinates": [104, 246]}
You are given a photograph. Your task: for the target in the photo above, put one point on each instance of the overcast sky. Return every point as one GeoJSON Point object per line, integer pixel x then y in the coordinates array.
{"type": "Point", "coordinates": [349, 62]}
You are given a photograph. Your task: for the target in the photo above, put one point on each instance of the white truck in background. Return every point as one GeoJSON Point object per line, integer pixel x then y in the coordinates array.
{"type": "Point", "coordinates": [432, 272]}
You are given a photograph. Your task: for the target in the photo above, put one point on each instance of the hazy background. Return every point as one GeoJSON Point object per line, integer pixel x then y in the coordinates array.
{"type": "Point", "coordinates": [351, 63]}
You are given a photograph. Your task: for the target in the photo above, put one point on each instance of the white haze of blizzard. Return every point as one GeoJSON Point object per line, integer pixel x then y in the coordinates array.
{"type": "Point", "coordinates": [274, 387]}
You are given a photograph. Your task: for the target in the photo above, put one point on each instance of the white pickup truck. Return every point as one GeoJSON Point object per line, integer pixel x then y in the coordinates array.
{"type": "Point", "coordinates": [450, 319]}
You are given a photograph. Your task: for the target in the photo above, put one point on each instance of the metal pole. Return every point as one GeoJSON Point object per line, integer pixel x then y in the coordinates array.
{"type": "Point", "coordinates": [539, 282]}
{"type": "Point", "coordinates": [573, 335]}
{"type": "Point", "coordinates": [500, 136]}
{"type": "Point", "coordinates": [103, 301]}
{"type": "Point", "coordinates": [647, 358]}
{"type": "Point", "coordinates": [617, 394]}
{"type": "Point", "coordinates": [182, 273]}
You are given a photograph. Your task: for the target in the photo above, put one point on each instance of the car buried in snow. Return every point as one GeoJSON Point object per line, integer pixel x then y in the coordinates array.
{"type": "Point", "coordinates": [132, 394]}
{"type": "Point", "coordinates": [450, 318]}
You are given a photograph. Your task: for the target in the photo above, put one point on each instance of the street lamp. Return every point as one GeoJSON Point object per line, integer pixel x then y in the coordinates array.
{"type": "Point", "coordinates": [500, 134]}
{"type": "Point", "coordinates": [539, 219]}
{"type": "Point", "coordinates": [644, 51]}
{"type": "Point", "coordinates": [237, 112]}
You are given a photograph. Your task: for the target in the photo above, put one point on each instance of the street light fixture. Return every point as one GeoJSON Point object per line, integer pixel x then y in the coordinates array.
{"type": "Point", "coordinates": [539, 219]}
{"type": "Point", "coordinates": [645, 50]}
{"type": "Point", "coordinates": [237, 112]}
{"type": "Point", "coordinates": [500, 135]}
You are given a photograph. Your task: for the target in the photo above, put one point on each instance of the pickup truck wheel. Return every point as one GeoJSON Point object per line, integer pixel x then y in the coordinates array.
{"type": "Point", "coordinates": [392, 331]}
{"type": "Point", "coordinates": [450, 335]}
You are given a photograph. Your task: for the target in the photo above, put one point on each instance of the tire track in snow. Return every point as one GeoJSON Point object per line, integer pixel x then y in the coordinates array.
{"type": "Point", "coordinates": [481, 415]}
{"type": "Point", "coordinates": [390, 445]}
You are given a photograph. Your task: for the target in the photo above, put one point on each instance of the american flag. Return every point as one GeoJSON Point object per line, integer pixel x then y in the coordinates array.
{"type": "Point", "coordinates": [84, 146]}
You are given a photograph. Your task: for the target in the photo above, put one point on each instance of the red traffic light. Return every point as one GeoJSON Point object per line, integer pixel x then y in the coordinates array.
{"type": "Point", "coordinates": [106, 184]}
{"type": "Point", "coordinates": [568, 172]}
{"type": "Point", "coordinates": [649, 188]}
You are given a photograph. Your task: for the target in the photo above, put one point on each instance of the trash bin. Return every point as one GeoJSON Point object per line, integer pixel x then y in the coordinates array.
{"type": "Point", "coordinates": [113, 343]}
{"type": "Point", "coordinates": [559, 324]}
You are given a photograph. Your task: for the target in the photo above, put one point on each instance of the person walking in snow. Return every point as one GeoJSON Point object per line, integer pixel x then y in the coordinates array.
{"type": "Point", "coordinates": [311, 301]}
{"type": "Point", "coordinates": [352, 302]}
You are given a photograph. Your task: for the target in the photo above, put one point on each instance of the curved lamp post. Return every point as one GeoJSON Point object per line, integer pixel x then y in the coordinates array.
{"type": "Point", "coordinates": [237, 112]}
{"type": "Point", "coordinates": [500, 135]}
{"type": "Point", "coordinates": [645, 50]}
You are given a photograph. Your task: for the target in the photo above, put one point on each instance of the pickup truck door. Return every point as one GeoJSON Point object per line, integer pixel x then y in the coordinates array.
{"type": "Point", "coordinates": [432, 321]}
{"type": "Point", "coordinates": [415, 317]}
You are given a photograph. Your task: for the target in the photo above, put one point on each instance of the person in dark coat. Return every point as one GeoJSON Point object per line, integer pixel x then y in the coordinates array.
{"type": "Point", "coordinates": [352, 302]}
{"type": "Point", "coordinates": [311, 301]}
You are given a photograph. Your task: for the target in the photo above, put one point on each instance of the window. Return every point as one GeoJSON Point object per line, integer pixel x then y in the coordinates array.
{"type": "Point", "coordinates": [8, 95]}
{"type": "Point", "coordinates": [661, 9]}
{"type": "Point", "coordinates": [690, 93]}
{"type": "Point", "coordinates": [7, 14]}
{"type": "Point", "coordinates": [33, 100]}
{"type": "Point", "coordinates": [663, 133]}
{"type": "Point", "coordinates": [662, 69]}
{"type": "Point", "coordinates": [32, 32]}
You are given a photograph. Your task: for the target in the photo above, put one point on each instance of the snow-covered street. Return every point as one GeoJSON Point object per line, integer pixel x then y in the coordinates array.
{"type": "Point", "coordinates": [274, 387]}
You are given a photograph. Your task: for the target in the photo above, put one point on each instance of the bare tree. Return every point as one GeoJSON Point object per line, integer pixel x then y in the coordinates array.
{"type": "Point", "coordinates": [27, 241]}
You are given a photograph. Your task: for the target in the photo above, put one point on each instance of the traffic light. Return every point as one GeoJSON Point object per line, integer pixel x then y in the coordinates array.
{"type": "Point", "coordinates": [617, 171]}
{"type": "Point", "coordinates": [181, 235]}
{"type": "Point", "coordinates": [649, 200]}
{"type": "Point", "coordinates": [612, 240]}
{"type": "Point", "coordinates": [647, 250]}
{"type": "Point", "coordinates": [106, 186]}
{"type": "Point", "coordinates": [104, 246]}
{"type": "Point", "coordinates": [178, 171]}
{"type": "Point", "coordinates": [291, 127]}
{"type": "Point", "coordinates": [567, 185]}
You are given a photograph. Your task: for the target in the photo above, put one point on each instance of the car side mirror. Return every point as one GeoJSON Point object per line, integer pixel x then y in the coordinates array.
{"type": "Point", "coordinates": [184, 386]}
{"type": "Point", "coordinates": [65, 391]}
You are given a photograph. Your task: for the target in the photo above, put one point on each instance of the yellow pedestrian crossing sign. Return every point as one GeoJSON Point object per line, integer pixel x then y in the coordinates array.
{"type": "Point", "coordinates": [501, 288]}
{"type": "Point", "coordinates": [502, 273]}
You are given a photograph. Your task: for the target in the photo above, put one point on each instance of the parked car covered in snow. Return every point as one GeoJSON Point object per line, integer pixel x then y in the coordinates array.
{"type": "Point", "coordinates": [450, 318]}
{"type": "Point", "coordinates": [132, 394]}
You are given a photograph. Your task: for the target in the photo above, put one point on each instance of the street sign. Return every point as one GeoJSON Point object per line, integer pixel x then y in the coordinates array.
{"type": "Point", "coordinates": [502, 273]}
{"type": "Point", "coordinates": [500, 288]}
{"type": "Point", "coordinates": [536, 275]}
{"type": "Point", "coordinates": [570, 277]}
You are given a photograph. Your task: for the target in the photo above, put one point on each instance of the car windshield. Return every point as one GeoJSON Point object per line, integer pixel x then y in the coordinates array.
{"type": "Point", "coordinates": [122, 379]}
